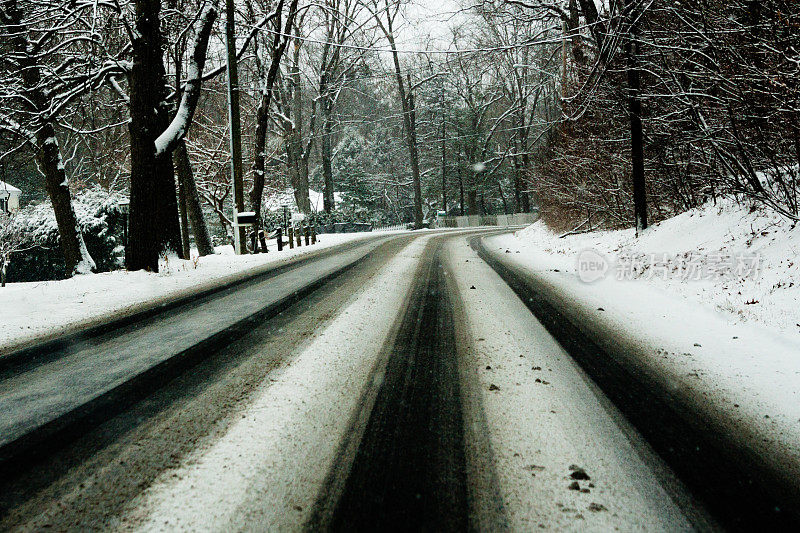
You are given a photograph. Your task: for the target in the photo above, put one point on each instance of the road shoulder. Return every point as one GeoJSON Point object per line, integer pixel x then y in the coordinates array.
{"type": "Point", "coordinates": [545, 416]}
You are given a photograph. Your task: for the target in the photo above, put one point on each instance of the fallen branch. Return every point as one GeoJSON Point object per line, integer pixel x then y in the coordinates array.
{"type": "Point", "coordinates": [577, 229]}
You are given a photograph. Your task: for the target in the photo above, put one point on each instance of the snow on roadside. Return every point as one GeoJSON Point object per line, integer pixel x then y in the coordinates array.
{"type": "Point", "coordinates": [743, 379]}
{"type": "Point", "coordinates": [42, 310]}
{"type": "Point", "coordinates": [543, 417]}
{"type": "Point", "coordinates": [701, 239]}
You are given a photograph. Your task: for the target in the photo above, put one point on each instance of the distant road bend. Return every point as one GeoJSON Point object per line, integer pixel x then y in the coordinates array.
{"type": "Point", "coordinates": [404, 382]}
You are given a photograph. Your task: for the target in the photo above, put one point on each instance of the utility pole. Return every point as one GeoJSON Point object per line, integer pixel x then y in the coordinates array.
{"type": "Point", "coordinates": [563, 60]}
{"type": "Point", "coordinates": [235, 130]}
{"type": "Point", "coordinates": [444, 161]}
{"type": "Point", "coordinates": [637, 133]}
{"type": "Point", "coordinates": [461, 192]}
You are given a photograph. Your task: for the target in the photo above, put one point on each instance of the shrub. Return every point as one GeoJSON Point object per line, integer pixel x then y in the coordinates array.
{"type": "Point", "coordinates": [100, 221]}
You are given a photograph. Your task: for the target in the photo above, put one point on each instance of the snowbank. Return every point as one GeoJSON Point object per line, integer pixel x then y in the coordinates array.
{"type": "Point", "coordinates": [693, 245]}
{"type": "Point", "coordinates": [726, 344]}
{"type": "Point", "coordinates": [38, 311]}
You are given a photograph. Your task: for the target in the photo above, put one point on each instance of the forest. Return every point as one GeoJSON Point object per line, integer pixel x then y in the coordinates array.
{"type": "Point", "coordinates": [126, 123]}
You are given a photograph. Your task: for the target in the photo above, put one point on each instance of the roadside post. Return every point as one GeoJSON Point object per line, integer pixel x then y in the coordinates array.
{"type": "Point", "coordinates": [235, 132]}
{"type": "Point", "coordinates": [244, 219]}
{"type": "Point", "coordinates": [299, 232]}
{"type": "Point", "coordinates": [313, 235]}
{"type": "Point", "coordinates": [307, 232]}
{"type": "Point", "coordinates": [124, 208]}
{"type": "Point", "coordinates": [290, 233]}
{"type": "Point", "coordinates": [280, 239]}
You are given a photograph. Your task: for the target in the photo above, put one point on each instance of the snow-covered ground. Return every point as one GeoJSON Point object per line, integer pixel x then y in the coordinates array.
{"type": "Point", "coordinates": [700, 243]}
{"type": "Point", "coordinates": [729, 345]}
{"type": "Point", "coordinates": [35, 311]}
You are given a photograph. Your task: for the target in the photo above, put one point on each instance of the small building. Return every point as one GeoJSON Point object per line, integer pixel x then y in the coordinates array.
{"type": "Point", "coordinates": [9, 198]}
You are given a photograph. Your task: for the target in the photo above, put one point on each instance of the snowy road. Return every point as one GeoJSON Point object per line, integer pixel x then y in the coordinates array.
{"type": "Point", "coordinates": [414, 390]}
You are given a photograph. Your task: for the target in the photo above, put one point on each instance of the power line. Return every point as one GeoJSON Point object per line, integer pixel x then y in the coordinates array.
{"type": "Point", "coordinates": [531, 42]}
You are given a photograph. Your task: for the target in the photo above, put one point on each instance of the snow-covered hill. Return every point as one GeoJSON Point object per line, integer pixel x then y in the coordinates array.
{"type": "Point", "coordinates": [684, 306]}
{"type": "Point", "coordinates": [740, 262]}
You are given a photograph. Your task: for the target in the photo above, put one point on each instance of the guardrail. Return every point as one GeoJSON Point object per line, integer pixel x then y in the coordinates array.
{"type": "Point", "coordinates": [394, 227]}
{"type": "Point", "coordinates": [467, 221]}
{"type": "Point", "coordinates": [471, 221]}
{"type": "Point", "coordinates": [344, 227]}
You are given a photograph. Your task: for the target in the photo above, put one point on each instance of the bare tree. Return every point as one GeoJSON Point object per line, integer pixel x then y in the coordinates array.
{"type": "Point", "coordinates": [42, 75]}
{"type": "Point", "coordinates": [290, 117]}
{"type": "Point", "coordinates": [385, 14]}
{"type": "Point", "coordinates": [280, 40]}
{"type": "Point", "coordinates": [340, 23]}
{"type": "Point", "coordinates": [633, 75]}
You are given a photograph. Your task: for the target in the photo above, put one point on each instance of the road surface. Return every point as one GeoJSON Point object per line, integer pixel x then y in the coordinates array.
{"type": "Point", "coordinates": [400, 384]}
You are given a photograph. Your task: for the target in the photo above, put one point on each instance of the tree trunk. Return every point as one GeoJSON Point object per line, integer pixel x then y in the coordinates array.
{"type": "Point", "coordinates": [167, 211]}
{"type": "Point", "coordinates": [298, 169]}
{"type": "Point", "coordinates": [153, 226]}
{"type": "Point", "coordinates": [260, 157]}
{"type": "Point", "coordinates": [503, 198]}
{"type": "Point", "coordinates": [596, 26]}
{"type": "Point", "coordinates": [76, 257]}
{"type": "Point", "coordinates": [262, 114]}
{"type": "Point", "coordinates": [298, 164]}
{"type": "Point", "coordinates": [517, 186]}
{"type": "Point", "coordinates": [637, 135]}
{"type": "Point", "coordinates": [409, 119]}
{"type": "Point", "coordinates": [184, 219]}
{"type": "Point", "coordinates": [194, 210]}
{"type": "Point", "coordinates": [300, 184]}
{"type": "Point", "coordinates": [444, 162]}
{"type": "Point", "coordinates": [472, 201]}
{"type": "Point", "coordinates": [526, 165]}
{"type": "Point", "coordinates": [522, 163]}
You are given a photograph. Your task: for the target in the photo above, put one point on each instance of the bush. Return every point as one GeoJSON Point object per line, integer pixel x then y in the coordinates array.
{"type": "Point", "coordinates": [101, 224]}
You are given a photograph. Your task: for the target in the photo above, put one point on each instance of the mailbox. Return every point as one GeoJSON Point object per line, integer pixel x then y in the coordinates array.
{"type": "Point", "coordinates": [246, 218]}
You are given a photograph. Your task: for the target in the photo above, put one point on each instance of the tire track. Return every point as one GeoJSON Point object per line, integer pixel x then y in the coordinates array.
{"type": "Point", "coordinates": [409, 471]}
{"type": "Point", "coordinates": [84, 484]}
{"type": "Point", "coordinates": [728, 478]}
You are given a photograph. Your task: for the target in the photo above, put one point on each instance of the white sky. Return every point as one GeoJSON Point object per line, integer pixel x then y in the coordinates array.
{"type": "Point", "coordinates": [428, 23]}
